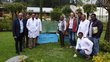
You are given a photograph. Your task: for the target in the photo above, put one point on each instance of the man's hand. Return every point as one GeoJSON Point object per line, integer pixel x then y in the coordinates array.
{"type": "Point", "coordinates": [15, 36]}
{"type": "Point", "coordinates": [86, 49]}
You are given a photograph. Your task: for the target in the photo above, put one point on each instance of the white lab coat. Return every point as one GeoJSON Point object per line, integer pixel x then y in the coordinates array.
{"type": "Point", "coordinates": [40, 25]}
{"type": "Point", "coordinates": [33, 28]}
{"type": "Point", "coordinates": [84, 27]}
{"type": "Point", "coordinates": [83, 44]}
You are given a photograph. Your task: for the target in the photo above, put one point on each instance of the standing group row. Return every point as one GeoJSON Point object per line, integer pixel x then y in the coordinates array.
{"type": "Point", "coordinates": [88, 33]}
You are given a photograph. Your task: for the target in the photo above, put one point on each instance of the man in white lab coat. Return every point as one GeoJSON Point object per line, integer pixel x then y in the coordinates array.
{"type": "Point", "coordinates": [40, 27]}
{"type": "Point", "coordinates": [84, 45]}
{"type": "Point", "coordinates": [33, 30]}
{"type": "Point", "coordinates": [83, 26]}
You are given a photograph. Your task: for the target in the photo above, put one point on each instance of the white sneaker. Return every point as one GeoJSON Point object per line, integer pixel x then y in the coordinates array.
{"type": "Point", "coordinates": [71, 46]}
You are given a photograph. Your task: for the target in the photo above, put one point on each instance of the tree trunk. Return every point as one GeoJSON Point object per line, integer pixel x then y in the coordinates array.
{"type": "Point", "coordinates": [87, 15]}
{"type": "Point", "coordinates": [41, 2]}
{"type": "Point", "coordinates": [12, 16]}
{"type": "Point", "coordinates": [107, 34]}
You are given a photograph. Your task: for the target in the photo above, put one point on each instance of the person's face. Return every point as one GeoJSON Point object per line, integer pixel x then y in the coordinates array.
{"type": "Point", "coordinates": [33, 15]}
{"type": "Point", "coordinates": [20, 16]}
{"type": "Point", "coordinates": [93, 17]}
{"type": "Point", "coordinates": [79, 15]}
{"type": "Point", "coordinates": [37, 16]}
{"type": "Point", "coordinates": [27, 16]}
{"type": "Point", "coordinates": [61, 18]}
{"type": "Point", "coordinates": [72, 15]}
{"type": "Point", "coordinates": [80, 36]}
{"type": "Point", "coordinates": [83, 17]}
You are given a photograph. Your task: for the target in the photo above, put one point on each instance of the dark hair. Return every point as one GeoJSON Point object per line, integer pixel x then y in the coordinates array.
{"type": "Point", "coordinates": [80, 33]}
{"type": "Point", "coordinates": [80, 13]}
{"type": "Point", "coordinates": [94, 15]}
{"type": "Point", "coordinates": [84, 15]}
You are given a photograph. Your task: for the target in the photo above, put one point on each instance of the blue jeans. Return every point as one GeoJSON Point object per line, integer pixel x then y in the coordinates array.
{"type": "Point", "coordinates": [95, 45]}
{"type": "Point", "coordinates": [82, 52]}
{"type": "Point", "coordinates": [72, 38]}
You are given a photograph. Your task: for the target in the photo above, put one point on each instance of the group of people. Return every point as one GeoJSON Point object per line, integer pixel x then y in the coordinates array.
{"type": "Point", "coordinates": [87, 33]}
{"type": "Point", "coordinates": [26, 31]}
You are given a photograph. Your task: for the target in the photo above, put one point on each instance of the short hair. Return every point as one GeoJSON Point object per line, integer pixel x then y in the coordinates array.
{"type": "Point", "coordinates": [80, 33]}
{"type": "Point", "coordinates": [20, 14]}
{"type": "Point", "coordinates": [84, 15]}
{"type": "Point", "coordinates": [94, 15]}
{"type": "Point", "coordinates": [80, 13]}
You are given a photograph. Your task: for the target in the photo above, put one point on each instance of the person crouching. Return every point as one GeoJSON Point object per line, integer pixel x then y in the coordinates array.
{"type": "Point", "coordinates": [84, 46]}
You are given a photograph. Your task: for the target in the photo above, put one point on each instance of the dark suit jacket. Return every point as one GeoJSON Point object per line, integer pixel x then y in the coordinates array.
{"type": "Point", "coordinates": [97, 23]}
{"type": "Point", "coordinates": [16, 27]}
{"type": "Point", "coordinates": [25, 30]}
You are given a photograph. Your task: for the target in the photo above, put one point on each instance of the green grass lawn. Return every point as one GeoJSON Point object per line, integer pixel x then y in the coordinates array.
{"type": "Point", "coordinates": [51, 52]}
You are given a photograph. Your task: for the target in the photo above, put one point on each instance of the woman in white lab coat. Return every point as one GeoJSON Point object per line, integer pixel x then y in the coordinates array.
{"type": "Point", "coordinates": [33, 30]}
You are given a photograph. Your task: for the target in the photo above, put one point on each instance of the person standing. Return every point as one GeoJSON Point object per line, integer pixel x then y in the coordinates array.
{"type": "Point", "coordinates": [83, 26]}
{"type": "Point", "coordinates": [95, 30]}
{"type": "Point", "coordinates": [61, 30]}
{"type": "Point", "coordinates": [84, 45]}
{"type": "Point", "coordinates": [18, 32]}
{"type": "Point", "coordinates": [79, 17]}
{"type": "Point", "coordinates": [72, 25]}
{"type": "Point", "coordinates": [40, 27]}
{"type": "Point", "coordinates": [33, 29]}
{"type": "Point", "coordinates": [26, 39]}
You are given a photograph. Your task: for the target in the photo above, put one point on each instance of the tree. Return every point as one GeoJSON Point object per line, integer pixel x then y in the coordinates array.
{"type": "Point", "coordinates": [106, 5]}
{"type": "Point", "coordinates": [41, 4]}
{"type": "Point", "coordinates": [79, 3]}
{"type": "Point", "coordinates": [89, 8]}
{"type": "Point", "coordinates": [14, 8]}
{"type": "Point", "coordinates": [55, 14]}
{"type": "Point", "coordinates": [79, 10]}
{"type": "Point", "coordinates": [66, 10]}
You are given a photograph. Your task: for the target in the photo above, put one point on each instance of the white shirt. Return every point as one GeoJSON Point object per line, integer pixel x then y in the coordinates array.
{"type": "Point", "coordinates": [71, 23]}
{"type": "Point", "coordinates": [83, 27]}
{"type": "Point", "coordinates": [60, 25]}
{"type": "Point", "coordinates": [33, 28]}
{"type": "Point", "coordinates": [83, 44]}
{"type": "Point", "coordinates": [21, 26]}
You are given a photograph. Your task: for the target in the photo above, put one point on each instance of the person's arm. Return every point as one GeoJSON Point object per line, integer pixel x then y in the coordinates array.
{"type": "Point", "coordinates": [100, 27]}
{"type": "Point", "coordinates": [40, 25]}
{"type": "Point", "coordinates": [78, 30]}
{"type": "Point", "coordinates": [77, 44]}
{"type": "Point", "coordinates": [65, 25]}
{"type": "Point", "coordinates": [89, 43]}
{"type": "Point", "coordinates": [27, 25]}
{"type": "Point", "coordinates": [86, 28]}
{"type": "Point", "coordinates": [14, 29]}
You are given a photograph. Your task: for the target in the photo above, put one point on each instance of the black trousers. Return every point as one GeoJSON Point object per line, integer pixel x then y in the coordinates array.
{"type": "Point", "coordinates": [61, 38]}
{"type": "Point", "coordinates": [18, 43]}
{"type": "Point", "coordinates": [25, 40]}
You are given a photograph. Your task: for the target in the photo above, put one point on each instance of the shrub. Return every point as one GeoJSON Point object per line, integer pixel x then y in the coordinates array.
{"type": "Point", "coordinates": [6, 23]}
{"type": "Point", "coordinates": [105, 46]}
{"type": "Point", "coordinates": [102, 57]}
{"type": "Point", "coordinates": [55, 14]}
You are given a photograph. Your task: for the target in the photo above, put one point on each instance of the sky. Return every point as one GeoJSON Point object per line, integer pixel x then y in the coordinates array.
{"type": "Point", "coordinates": [89, 1]}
